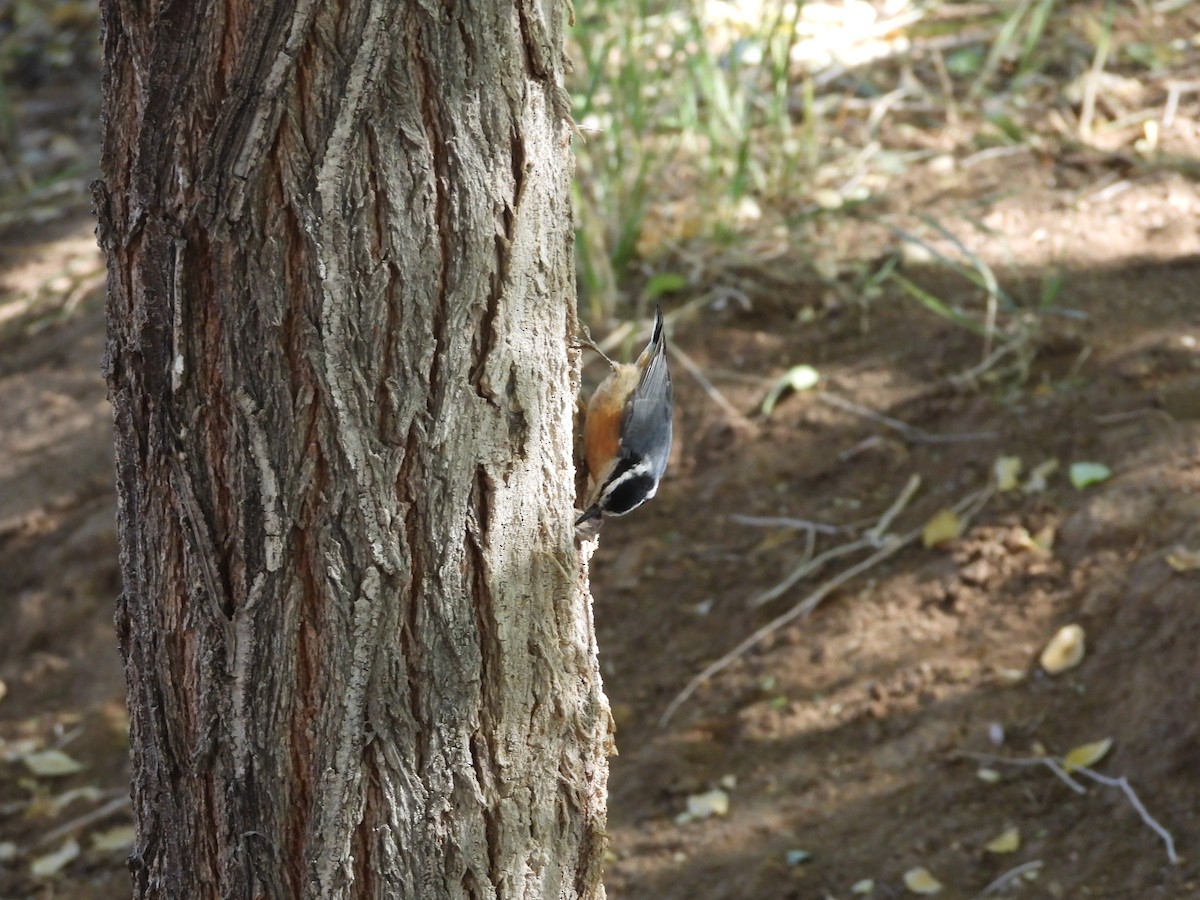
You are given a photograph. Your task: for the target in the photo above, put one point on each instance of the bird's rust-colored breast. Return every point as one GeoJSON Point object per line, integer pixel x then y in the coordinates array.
{"type": "Point", "coordinates": [602, 428]}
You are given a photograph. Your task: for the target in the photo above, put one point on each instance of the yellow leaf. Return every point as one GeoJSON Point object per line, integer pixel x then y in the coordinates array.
{"type": "Point", "coordinates": [704, 806]}
{"type": "Point", "coordinates": [1183, 560]}
{"type": "Point", "coordinates": [1007, 469]}
{"type": "Point", "coordinates": [1065, 650]}
{"type": "Point", "coordinates": [944, 527]}
{"type": "Point", "coordinates": [1039, 477]}
{"type": "Point", "coordinates": [1044, 539]}
{"type": "Point", "coordinates": [919, 881]}
{"type": "Point", "coordinates": [1008, 841]}
{"type": "Point", "coordinates": [773, 540]}
{"type": "Point", "coordinates": [827, 198]}
{"type": "Point", "coordinates": [1085, 755]}
{"type": "Point", "coordinates": [52, 863]}
{"type": "Point", "coordinates": [120, 837]}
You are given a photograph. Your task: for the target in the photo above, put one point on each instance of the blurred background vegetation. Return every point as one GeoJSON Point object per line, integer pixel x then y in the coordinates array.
{"type": "Point", "coordinates": [719, 134]}
{"type": "Point", "coordinates": [49, 108]}
{"type": "Point", "coordinates": [714, 135]}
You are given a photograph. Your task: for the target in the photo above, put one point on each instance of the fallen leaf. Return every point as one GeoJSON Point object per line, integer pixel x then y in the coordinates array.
{"type": "Point", "coordinates": [920, 881]}
{"type": "Point", "coordinates": [827, 198]}
{"type": "Point", "coordinates": [8, 851]}
{"type": "Point", "coordinates": [865, 886]}
{"type": "Point", "coordinates": [52, 863]}
{"type": "Point", "coordinates": [797, 378]}
{"type": "Point", "coordinates": [1044, 539]}
{"type": "Point", "coordinates": [1085, 474]}
{"type": "Point", "coordinates": [1039, 544]}
{"type": "Point", "coordinates": [1008, 841]}
{"type": "Point", "coordinates": [944, 527]}
{"type": "Point", "coordinates": [51, 764]}
{"type": "Point", "coordinates": [15, 750]}
{"type": "Point", "coordinates": [1006, 470]}
{"type": "Point", "coordinates": [119, 838]}
{"type": "Point", "coordinates": [991, 776]}
{"type": "Point", "coordinates": [704, 806]}
{"type": "Point", "coordinates": [1039, 477]}
{"type": "Point", "coordinates": [711, 803]}
{"type": "Point", "coordinates": [795, 857]}
{"type": "Point", "coordinates": [1065, 650]}
{"type": "Point", "coordinates": [1180, 559]}
{"type": "Point", "coordinates": [1085, 755]}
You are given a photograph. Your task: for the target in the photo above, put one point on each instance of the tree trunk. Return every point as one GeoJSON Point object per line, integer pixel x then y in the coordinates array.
{"type": "Point", "coordinates": [356, 627]}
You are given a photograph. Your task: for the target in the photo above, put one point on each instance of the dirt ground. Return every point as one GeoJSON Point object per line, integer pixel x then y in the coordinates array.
{"type": "Point", "coordinates": [843, 736]}
{"type": "Point", "coordinates": [847, 743]}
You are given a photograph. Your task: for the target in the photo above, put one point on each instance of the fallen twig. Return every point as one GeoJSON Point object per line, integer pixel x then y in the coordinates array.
{"type": "Point", "coordinates": [911, 432]}
{"type": "Point", "coordinates": [1010, 876]}
{"type": "Point", "coordinates": [1091, 84]}
{"type": "Point", "coordinates": [989, 362]}
{"type": "Point", "coordinates": [803, 608]}
{"type": "Point", "coordinates": [872, 538]}
{"type": "Point", "coordinates": [876, 532]}
{"type": "Point", "coordinates": [1023, 761]}
{"type": "Point", "coordinates": [785, 522]}
{"type": "Point", "coordinates": [102, 812]}
{"type": "Point", "coordinates": [891, 545]}
{"type": "Point", "coordinates": [713, 394]}
{"type": "Point", "coordinates": [1118, 418]}
{"type": "Point", "coordinates": [1060, 771]}
{"type": "Point", "coordinates": [1135, 801]}
{"type": "Point", "coordinates": [806, 568]}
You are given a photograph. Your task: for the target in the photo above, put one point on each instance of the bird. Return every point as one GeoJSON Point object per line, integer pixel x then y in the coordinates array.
{"type": "Point", "coordinates": [627, 431]}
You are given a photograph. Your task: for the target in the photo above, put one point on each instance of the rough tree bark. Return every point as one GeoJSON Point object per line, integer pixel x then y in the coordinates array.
{"type": "Point", "coordinates": [356, 628]}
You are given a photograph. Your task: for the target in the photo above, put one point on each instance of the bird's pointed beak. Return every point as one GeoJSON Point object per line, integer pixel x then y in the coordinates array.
{"type": "Point", "coordinates": [592, 512]}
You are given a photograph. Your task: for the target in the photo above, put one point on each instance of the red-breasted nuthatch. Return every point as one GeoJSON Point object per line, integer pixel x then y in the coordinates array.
{"type": "Point", "coordinates": [627, 432]}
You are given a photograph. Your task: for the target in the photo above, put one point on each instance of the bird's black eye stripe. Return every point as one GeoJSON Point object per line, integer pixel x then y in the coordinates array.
{"type": "Point", "coordinates": [624, 464]}
{"type": "Point", "coordinates": [629, 494]}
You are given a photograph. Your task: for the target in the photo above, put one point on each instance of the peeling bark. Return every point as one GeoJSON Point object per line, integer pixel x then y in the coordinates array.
{"type": "Point", "coordinates": [356, 627]}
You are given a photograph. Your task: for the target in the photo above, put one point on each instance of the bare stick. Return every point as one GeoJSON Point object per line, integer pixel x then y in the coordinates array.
{"type": "Point", "coordinates": [803, 608]}
{"type": "Point", "coordinates": [872, 538]}
{"type": "Point", "coordinates": [876, 533]}
{"type": "Point", "coordinates": [1118, 418]}
{"type": "Point", "coordinates": [891, 546]}
{"type": "Point", "coordinates": [713, 394]}
{"type": "Point", "coordinates": [785, 522]}
{"type": "Point", "coordinates": [1091, 83]}
{"type": "Point", "coordinates": [1010, 876]}
{"type": "Point", "coordinates": [1059, 769]}
{"type": "Point", "coordinates": [807, 568]}
{"type": "Point", "coordinates": [103, 812]}
{"type": "Point", "coordinates": [911, 432]}
{"type": "Point", "coordinates": [1023, 761]}
{"type": "Point", "coordinates": [1135, 801]}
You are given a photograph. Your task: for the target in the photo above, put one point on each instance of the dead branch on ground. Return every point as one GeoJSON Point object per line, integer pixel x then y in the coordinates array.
{"type": "Point", "coordinates": [888, 545]}
{"type": "Point", "coordinates": [1061, 771]}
